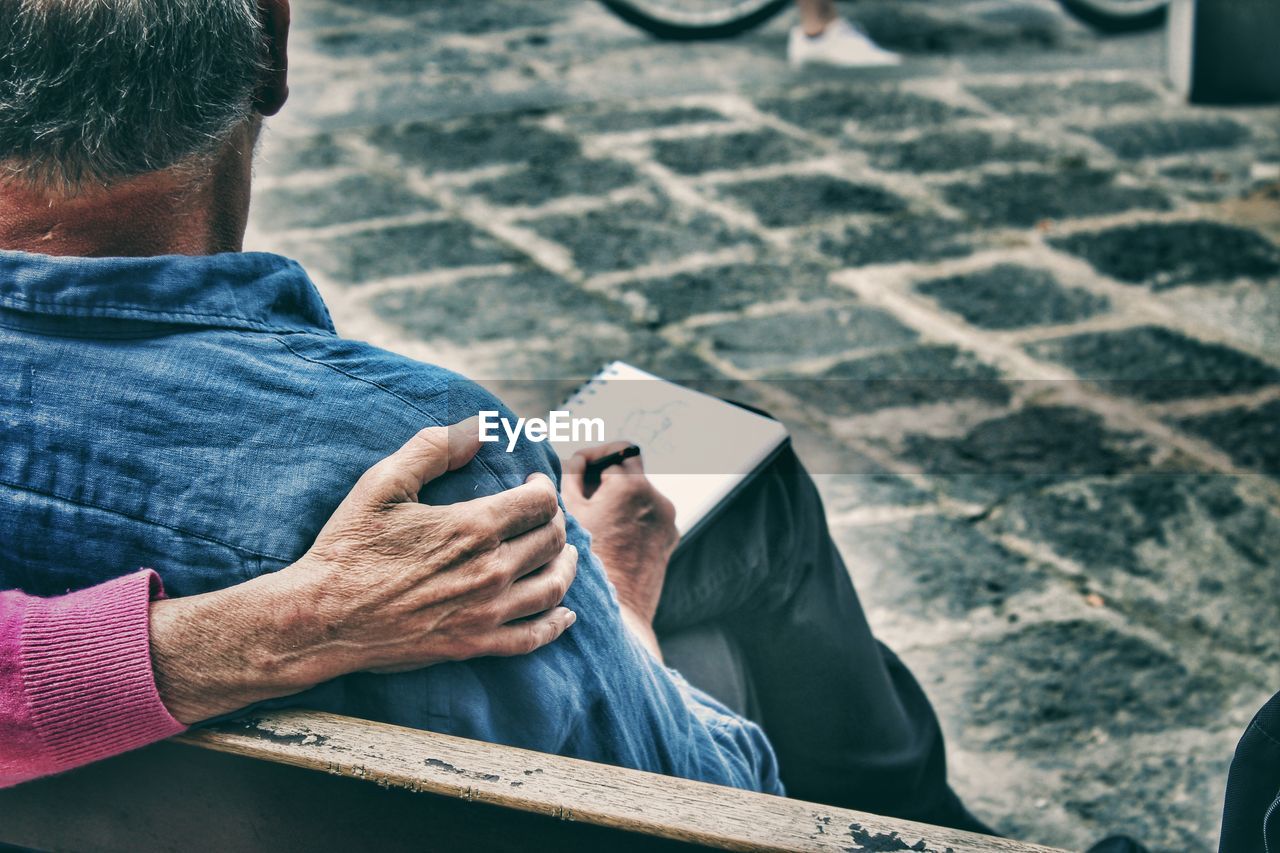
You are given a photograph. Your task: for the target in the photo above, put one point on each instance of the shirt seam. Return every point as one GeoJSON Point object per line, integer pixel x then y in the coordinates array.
{"type": "Point", "coordinates": [99, 333]}
{"type": "Point", "coordinates": [432, 418]}
{"type": "Point", "coordinates": [141, 520]}
{"type": "Point", "coordinates": [90, 311]}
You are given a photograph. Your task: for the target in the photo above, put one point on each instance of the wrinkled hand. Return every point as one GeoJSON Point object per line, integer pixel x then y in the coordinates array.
{"type": "Point", "coordinates": [409, 585]}
{"type": "Point", "coordinates": [389, 585]}
{"type": "Point", "coordinates": [632, 527]}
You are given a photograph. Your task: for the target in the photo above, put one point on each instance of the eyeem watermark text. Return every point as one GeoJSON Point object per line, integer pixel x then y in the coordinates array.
{"type": "Point", "coordinates": [559, 426]}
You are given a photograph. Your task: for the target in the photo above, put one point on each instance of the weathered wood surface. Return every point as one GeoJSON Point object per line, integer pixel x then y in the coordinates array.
{"type": "Point", "coordinates": [574, 790]}
{"type": "Point", "coordinates": [186, 799]}
{"type": "Point", "coordinates": [255, 785]}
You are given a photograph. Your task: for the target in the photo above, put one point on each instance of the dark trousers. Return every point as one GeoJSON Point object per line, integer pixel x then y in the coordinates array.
{"type": "Point", "coordinates": [1251, 815]}
{"type": "Point", "coordinates": [759, 611]}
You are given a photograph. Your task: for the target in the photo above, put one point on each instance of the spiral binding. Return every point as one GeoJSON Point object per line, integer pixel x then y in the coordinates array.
{"type": "Point", "coordinates": [589, 388]}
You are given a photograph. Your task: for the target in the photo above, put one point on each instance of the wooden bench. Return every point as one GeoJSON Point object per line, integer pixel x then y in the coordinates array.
{"type": "Point", "coordinates": [303, 780]}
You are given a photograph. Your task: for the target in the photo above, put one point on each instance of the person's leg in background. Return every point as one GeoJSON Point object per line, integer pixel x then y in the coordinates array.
{"type": "Point", "coordinates": [823, 37]}
{"type": "Point", "coordinates": [816, 15]}
{"type": "Point", "coordinates": [851, 726]}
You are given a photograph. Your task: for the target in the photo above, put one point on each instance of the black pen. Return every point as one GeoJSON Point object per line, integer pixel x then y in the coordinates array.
{"type": "Point", "coordinates": [592, 473]}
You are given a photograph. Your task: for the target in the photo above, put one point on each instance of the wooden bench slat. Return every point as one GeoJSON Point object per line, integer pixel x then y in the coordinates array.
{"type": "Point", "coordinates": [574, 790]}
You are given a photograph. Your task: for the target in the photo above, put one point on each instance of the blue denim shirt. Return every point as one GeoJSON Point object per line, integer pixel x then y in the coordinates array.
{"type": "Point", "coordinates": [199, 415]}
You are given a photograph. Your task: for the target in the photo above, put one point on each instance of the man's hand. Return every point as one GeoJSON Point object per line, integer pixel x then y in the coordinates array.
{"type": "Point", "coordinates": [633, 531]}
{"type": "Point", "coordinates": [389, 585]}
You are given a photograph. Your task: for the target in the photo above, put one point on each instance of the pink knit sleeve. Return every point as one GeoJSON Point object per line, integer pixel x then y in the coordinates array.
{"type": "Point", "coordinates": [76, 683]}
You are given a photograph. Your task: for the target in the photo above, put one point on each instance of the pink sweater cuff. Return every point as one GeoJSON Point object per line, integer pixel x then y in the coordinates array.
{"type": "Point", "coordinates": [87, 671]}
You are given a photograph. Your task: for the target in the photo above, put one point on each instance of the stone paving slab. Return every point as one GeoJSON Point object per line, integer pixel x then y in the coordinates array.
{"type": "Point", "coordinates": [1156, 364]}
{"type": "Point", "coordinates": [1008, 296]}
{"type": "Point", "coordinates": [1019, 306]}
{"type": "Point", "coordinates": [672, 298]}
{"type": "Point", "coordinates": [349, 199]}
{"type": "Point", "coordinates": [1248, 434]}
{"type": "Point", "coordinates": [1167, 255]}
{"type": "Point", "coordinates": [1023, 199]}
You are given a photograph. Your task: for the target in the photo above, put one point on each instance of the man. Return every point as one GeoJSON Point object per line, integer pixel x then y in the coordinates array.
{"type": "Point", "coordinates": [172, 402]}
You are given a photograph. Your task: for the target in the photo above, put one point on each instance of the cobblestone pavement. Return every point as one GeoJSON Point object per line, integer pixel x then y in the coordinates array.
{"type": "Point", "coordinates": [1017, 303]}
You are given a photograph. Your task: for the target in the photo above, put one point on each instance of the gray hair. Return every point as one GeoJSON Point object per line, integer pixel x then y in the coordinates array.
{"type": "Point", "coordinates": [96, 91]}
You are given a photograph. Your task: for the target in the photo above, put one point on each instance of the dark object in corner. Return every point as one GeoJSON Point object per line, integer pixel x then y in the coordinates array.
{"type": "Point", "coordinates": [1251, 817]}
{"type": "Point", "coordinates": [1224, 51]}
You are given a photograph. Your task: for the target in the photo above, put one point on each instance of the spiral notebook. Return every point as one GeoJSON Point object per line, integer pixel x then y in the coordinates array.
{"type": "Point", "coordinates": [697, 449]}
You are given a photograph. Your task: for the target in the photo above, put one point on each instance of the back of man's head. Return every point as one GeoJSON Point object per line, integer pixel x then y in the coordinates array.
{"type": "Point", "coordinates": [98, 91]}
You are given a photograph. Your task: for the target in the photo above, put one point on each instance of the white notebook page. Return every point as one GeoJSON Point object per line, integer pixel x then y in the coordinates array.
{"type": "Point", "coordinates": [697, 449]}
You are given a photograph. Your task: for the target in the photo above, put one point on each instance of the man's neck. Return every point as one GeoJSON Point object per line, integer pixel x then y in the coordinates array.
{"type": "Point", "coordinates": [179, 211]}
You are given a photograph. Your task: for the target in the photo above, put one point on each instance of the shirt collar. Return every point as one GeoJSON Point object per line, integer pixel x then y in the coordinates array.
{"type": "Point", "coordinates": [241, 290]}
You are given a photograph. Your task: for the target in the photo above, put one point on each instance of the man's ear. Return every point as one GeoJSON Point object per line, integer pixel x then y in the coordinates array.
{"type": "Point", "coordinates": [273, 89]}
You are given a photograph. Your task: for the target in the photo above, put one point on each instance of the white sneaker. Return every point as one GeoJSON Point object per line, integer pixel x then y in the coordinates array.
{"type": "Point", "coordinates": [842, 44]}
